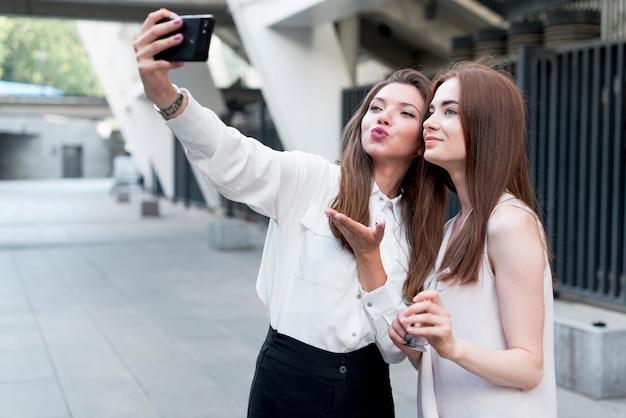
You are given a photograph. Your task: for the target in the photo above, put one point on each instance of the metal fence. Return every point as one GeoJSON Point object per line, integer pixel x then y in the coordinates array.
{"type": "Point", "coordinates": [186, 188]}
{"type": "Point", "coordinates": [577, 153]}
{"type": "Point", "coordinates": [613, 19]}
{"type": "Point", "coordinates": [577, 149]}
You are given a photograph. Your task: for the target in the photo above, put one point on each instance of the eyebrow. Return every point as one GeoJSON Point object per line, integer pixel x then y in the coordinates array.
{"type": "Point", "coordinates": [445, 103]}
{"type": "Point", "coordinates": [380, 99]}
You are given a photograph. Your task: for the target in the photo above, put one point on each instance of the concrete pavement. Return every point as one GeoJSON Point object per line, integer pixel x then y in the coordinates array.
{"type": "Point", "coordinates": [105, 313]}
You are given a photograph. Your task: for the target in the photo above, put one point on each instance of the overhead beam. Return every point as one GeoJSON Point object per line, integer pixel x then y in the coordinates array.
{"type": "Point", "coordinates": [407, 23]}
{"type": "Point", "coordinates": [309, 13]}
{"type": "Point", "coordinates": [520, 8]}
{"type": "Point", "coordinates": [85, 107]}
{"type": "Point", "coordinates": [389, 49]}
{"type": "Point", "coordinates": [120, 10]}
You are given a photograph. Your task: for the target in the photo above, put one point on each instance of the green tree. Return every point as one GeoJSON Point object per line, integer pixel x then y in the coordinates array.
{"type": "Point", "coordinates": [46, 52]}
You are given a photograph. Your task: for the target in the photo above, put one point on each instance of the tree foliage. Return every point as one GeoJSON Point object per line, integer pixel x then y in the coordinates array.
{"type": "Point", "coordinates": [47, 52]}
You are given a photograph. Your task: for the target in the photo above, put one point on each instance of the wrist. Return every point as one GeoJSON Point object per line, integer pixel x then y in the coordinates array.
{"type": "Point", "coordinates": [166, 96]}
{"type": "Point", "coordinates": [455, 351]}
{"type": "Point", "coordinates": [415, 357]}
{"type": "Point", "coordinates": [170, 104]}
{"type": "Point", "coordinates": [370, 257]}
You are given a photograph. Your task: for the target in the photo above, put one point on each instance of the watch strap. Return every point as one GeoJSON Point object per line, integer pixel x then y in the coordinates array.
{"type": "Point", "coordinates": [173, 108]}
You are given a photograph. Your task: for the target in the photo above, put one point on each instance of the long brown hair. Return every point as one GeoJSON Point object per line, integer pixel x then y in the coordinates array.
{"type": "Point", "coordinates": [422, 194]}
{"type": "Point", "coordinates": [493, 119]}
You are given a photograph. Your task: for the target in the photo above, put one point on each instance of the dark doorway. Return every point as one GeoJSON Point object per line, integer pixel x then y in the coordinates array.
{"type": "Point", "coordinates": [72, 161]}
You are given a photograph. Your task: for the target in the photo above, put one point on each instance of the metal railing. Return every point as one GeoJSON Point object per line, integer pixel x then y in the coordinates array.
{"type": "Point", "coordinates": [577, 150]}
{"type": "Point", "coordinates": [577, 153]}
{"type": "Point", "coordinates": [613, 19]}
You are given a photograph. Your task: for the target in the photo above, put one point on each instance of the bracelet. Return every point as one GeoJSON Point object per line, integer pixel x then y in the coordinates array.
{"type": "Point", "coordinates": [173, 108]}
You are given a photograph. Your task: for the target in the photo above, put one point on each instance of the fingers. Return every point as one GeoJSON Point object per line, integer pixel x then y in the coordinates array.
{"type": "Point", "coordinates": [346, 225]}
{"type": "Point", "coordinates": [419, 307]}
{"type": "Point", "coordinates": [431, 295]}
{"type": "Point", "coordinates": [155, 18]}
{"type": "Point", "coordinates": [380, 230]}
{"type": "Point", "coordinates": [426, 318]}
{"type": "Point", "coordinates": [150, 21]}
{"type": "Point", "coordinates": [423, 313]}
{"type": "Point", "coordinates": [349, 226]}
{"type": "Point", "coordinates": [153, 36]}
{"type": "Point", "coordinates": [397, 328]}
{"type": "Point", "coordinates": [397, 332]}
{"type": "Point", "coordinates": [340, 219]}
{"type": "Point", "coordinates": [152, 39]}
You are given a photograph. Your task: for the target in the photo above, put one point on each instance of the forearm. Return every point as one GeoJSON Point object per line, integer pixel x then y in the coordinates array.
{"type": "Point", "coordinates": [390, 352]}
{"type": "Point", "coordinates": [381, 306]}
{"type": "Point", "coordinates": [372, 274]}
{"type": "Point", "coordinates": [514, 367]}
{"type": "Point", "coordinates": [415, 357]}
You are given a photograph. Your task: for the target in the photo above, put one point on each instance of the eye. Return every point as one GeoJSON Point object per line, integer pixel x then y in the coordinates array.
{"type": "Point", "coordinates": [451, 112]}
{"type": "Point", "coordinates": [408, 114]}
{"type": "Point", "coordinates": [374, 107]}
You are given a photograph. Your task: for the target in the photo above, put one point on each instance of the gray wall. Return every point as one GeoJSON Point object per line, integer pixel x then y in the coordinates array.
{"type": "Point", "coordinates": [31, 147]}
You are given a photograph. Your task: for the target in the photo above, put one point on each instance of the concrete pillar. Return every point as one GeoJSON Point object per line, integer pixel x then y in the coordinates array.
{"type": "Point", "coordinates": [587, 341]}
{"type": "Point", "coordinates": [109, 45]}
{"type": "Point", "coordinates": [295, 48]}
{"type": "Point", "coordinates": [349, 35]}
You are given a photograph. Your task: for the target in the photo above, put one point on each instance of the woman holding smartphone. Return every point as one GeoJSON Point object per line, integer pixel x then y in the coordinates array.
{"type": "Point", "coordinates": [328, 348]}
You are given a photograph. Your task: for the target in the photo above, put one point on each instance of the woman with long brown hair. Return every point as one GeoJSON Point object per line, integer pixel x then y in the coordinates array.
{"type": "Point", "coordinates": [487, 307]}
{"type": "Point", "coordinates": [328, 347]}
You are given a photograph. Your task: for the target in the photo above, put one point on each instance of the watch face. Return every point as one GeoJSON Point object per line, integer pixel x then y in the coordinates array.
{"type": "Point", "coordinates": [173, 108]}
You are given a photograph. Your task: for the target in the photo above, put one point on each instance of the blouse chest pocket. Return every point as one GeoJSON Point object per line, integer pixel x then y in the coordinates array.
{"type": "Point", "coordinates": [321, 260]}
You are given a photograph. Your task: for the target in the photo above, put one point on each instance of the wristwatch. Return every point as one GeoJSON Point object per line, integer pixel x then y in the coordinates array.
{"type": "Point", "coordinates": [173, 108]}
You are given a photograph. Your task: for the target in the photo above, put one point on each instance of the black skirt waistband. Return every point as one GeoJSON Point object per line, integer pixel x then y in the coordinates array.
{"type": "Point", "coordinates": [326, 364]}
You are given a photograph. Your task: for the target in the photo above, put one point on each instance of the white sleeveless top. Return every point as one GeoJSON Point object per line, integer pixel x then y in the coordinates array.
{"type": "Point", "coordinates": [445, 389]}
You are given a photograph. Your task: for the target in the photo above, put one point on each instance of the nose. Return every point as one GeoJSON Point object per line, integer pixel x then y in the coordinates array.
{"type": "Point", "coordinates": [383, 118]}
{"type": "Point", "coordinates": [429, 123]}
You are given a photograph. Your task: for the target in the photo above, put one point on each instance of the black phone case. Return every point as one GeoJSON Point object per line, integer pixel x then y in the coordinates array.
{"type": "Point", "coordinates": [197, 31]}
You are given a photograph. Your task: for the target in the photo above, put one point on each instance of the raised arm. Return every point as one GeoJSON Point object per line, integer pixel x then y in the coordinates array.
{"type": "Point", "coordinates": [154, 74]}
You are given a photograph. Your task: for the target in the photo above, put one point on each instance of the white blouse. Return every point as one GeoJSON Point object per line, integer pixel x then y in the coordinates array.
{"type": "Point", "coordinates": [445, 389]}
{"type": "Point", "coordinates": [308, 283]}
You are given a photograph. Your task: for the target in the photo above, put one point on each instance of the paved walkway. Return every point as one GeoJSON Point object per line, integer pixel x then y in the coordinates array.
{"type": "Point", "coordinates": [105, 313]}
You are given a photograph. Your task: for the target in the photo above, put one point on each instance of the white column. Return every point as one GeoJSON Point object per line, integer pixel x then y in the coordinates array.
{"type": "Point", "coordinates": [295, 48]}
{"type": "Point", "coordinates": [109, 45]}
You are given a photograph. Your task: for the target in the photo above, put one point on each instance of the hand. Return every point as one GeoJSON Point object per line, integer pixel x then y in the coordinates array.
{"type": "Point", "coordinates": [362, 239]}
{"type": "Point", "coordinates": [397, 333]}
{"type": "Point", "coordinates": [154, 73]}
{"type": "Point", "coordinates": [427, 317]}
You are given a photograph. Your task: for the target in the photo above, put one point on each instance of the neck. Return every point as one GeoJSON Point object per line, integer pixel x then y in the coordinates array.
{"type": "Point", "coordinates": [388, 187]}
{"type": "Point", "coordinates": [461, 191]}
{"type": "Point", "coordinates": [458, 178]}
{"type": "Point", "coordinates": [389, 179]}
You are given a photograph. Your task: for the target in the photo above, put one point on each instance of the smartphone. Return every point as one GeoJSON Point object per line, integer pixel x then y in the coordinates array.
{"type": "Point", "coordinates": [197, 31]}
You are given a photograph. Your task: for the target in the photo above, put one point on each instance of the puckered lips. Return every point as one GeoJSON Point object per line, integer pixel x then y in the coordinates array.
{"type": "Point", "coordinates": [379, 133]}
